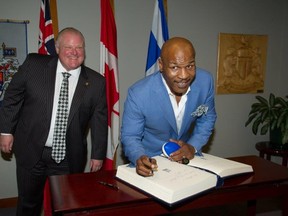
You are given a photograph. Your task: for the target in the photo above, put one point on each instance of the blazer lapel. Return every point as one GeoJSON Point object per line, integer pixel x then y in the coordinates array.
{"type": "Point", "coordinates": [164, 102]}
{"type": "Point", "coordinates": [82, 85]}
{"type": "Point", "coordinates": [50, 76]}
{"type": "Point", "coordinates": [191, 105]}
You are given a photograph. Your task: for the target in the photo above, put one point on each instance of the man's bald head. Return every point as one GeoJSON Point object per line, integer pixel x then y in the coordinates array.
{"type": "Point", "coordinates": [174, 44]}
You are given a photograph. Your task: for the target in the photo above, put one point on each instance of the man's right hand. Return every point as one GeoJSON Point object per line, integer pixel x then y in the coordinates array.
{"type": "Point", "coordinates": [6, 143]}
{"type": "Point", "coordinates": [146, 166]}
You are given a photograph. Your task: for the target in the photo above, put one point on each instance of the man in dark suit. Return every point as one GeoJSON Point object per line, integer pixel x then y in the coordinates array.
{"type": "Point", "coordinates": [28, 113]}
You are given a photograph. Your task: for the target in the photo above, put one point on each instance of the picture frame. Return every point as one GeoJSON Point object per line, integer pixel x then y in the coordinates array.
{"type": "Point", "coordinates": [241, 63]}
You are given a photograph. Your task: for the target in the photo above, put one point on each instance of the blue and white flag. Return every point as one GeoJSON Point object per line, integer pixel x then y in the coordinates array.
{"type": "Point", "coordinates": [158, 35]}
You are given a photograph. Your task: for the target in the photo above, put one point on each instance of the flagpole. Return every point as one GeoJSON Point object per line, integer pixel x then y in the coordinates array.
{"type": "Point", "coordinates": [54, 17]}
{"type": "Point", "coordinates": [166, 9]}
{"type": "Point", "coordinates": [112, 6]}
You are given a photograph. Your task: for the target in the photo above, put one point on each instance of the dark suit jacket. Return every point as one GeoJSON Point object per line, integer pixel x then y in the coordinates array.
{"type": "Point", "coordinates": [27, 108]}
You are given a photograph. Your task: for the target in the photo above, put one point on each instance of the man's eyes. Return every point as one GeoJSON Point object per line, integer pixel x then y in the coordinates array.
{"type": "Point", "coordinates": [189, 67]}
{"type": "Point", "coordinates": [70, 48]}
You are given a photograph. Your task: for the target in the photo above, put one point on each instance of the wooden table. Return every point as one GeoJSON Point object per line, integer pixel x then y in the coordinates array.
{"type": "Point", "coordinates": [265, 148]}
{"type": "Point", "coordinates": [81, 194]}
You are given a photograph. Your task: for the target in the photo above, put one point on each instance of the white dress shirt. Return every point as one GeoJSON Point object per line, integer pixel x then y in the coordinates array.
{"type": "Point", "coordinates": [178, 108]}
{"type": "Point", "coordinates": [73, 79]}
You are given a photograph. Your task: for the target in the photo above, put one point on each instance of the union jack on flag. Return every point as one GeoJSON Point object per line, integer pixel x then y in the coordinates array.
{"type": "Point", "coordinates": [46, 44]}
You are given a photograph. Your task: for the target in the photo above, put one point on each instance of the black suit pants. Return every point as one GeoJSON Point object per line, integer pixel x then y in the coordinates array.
{"type": "Point", "coordinates": [31, 183]}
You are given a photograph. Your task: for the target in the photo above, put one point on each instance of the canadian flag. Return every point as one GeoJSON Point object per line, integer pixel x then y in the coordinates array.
{"type": "Point", "coordinates": [109, 69]}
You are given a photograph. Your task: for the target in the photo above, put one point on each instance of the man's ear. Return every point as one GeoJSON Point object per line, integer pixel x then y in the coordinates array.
{"type": "Point", "coordinates": [160, 64]}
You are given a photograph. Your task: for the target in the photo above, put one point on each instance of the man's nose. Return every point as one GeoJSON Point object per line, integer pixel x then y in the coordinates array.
{"type": "Point", "coordinates": [73, 50]}
{"type": "Point", "coordinates": [183, 73]}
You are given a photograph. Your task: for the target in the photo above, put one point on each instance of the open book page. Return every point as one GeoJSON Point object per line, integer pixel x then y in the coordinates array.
{"type": "Point", "coordinates": [221, 166]}
{"type": "Point", "coordinates": [172, 181]}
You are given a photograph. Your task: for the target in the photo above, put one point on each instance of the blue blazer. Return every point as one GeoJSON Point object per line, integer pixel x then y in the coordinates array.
{"type": "Point", "coordinates": [149, 121]}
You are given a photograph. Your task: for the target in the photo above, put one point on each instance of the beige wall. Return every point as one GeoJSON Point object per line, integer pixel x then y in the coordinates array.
{"type": "Point", "coordinates": [199, 21]}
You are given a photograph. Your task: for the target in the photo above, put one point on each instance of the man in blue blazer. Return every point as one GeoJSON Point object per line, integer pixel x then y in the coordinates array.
{"type": "Point", "coordinates": [175, 104]}
{"type": "Point", "coordinates": [28, 118]}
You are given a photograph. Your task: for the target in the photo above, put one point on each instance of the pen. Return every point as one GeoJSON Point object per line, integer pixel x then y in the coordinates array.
{"type": "Point", "coordinates": [150, 160]}
{"type": "Point", "coordinates": [153, 167]}
{"type": "Point", "coordinates": [115, 187]}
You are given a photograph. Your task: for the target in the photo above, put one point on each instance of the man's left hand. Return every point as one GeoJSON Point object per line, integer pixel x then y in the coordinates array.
{"type": "Point", "coordinates": [95, 165]}
{"type": "Point", "coordinates": [185, 151]}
